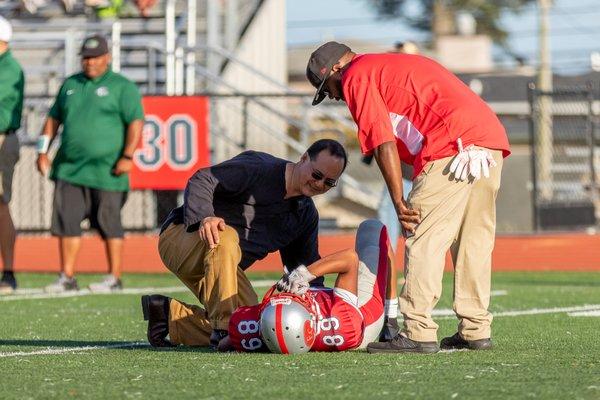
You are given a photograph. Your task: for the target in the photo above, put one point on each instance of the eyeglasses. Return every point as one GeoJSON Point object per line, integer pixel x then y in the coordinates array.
{"type": "Point", "coordinates": [318, 176]}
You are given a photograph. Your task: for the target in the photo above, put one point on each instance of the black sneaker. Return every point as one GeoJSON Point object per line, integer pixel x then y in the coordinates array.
{"type": "Point", "coordinates": [456, 342]}
{"type": "Point", "coordinates": [156, 311]}
{"type": "Point", "coordinates": [216, 336]}
{"type": "Point", "coordinates": [390, 329]}
{"type": "Point", "coordinates": [402, 344]}
{"type": "Point", "coordinates": [8, 283]}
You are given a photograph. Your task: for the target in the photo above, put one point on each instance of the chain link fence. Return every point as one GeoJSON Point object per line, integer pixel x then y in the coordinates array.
{"type": "Point", "coordinates": [31, 204]}
{"type": "Point", "coordinates": [565, 157]}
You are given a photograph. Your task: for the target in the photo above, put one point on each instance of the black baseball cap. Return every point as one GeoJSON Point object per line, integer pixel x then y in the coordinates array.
{"type": "Point", "coordinates": [319, 66]}
{"type": "Point", "coordinates": [94, 46]}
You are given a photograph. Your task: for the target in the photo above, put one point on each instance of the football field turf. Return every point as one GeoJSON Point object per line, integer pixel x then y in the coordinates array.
{"type": "Point", "coordinates": [545, 331]}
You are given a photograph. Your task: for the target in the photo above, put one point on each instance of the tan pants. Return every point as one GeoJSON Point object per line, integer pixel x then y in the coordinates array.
{"type": "Point", "coordinates": [212, 275]}
{"type": "Point", "coordinates": [455, 215]}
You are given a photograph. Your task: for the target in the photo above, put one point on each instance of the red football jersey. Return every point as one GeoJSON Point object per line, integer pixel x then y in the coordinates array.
{"type": "Point", "coordinates": [339, 323]}
{"type": "Point", "coordinates": [244, 329]}
{"type": "Point", "coordinates": [417, 103]}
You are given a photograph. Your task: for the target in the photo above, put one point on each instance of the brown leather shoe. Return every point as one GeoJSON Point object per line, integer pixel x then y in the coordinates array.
{"type": "Point", "coordinates": [156, 311]}
{"type": "Point", "coordinates": [402, 344]}
{"type": "Point", "coordinates": [456, 342]}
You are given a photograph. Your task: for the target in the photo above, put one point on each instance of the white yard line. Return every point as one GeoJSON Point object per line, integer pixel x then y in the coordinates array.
{"type": "Point", "coordinates": [63, 350]}
{"type": "Point", "coordinates": [591, 313]}
{"type": "Point", "coordinates": [31, 294]}
{"type": "Point", "coordinates": [587, 308]}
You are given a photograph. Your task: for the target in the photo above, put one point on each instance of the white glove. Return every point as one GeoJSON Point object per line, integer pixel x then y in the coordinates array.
{"type": "Point", "coordinates": [471, 161]}
{"type": "Point", "coordinates": [460, 164]}
{"type": "Point", "coordinates": [296, 282]}
{"type": "Point", "coordinates": [480, 161]}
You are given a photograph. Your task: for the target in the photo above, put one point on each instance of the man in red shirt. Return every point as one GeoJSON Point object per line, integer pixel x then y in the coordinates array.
{"type": "Point", "coordinates": [410, 108]}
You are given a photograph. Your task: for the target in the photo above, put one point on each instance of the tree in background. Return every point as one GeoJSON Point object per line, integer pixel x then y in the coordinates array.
{"type": "Point", "coordinates": [439, 16]}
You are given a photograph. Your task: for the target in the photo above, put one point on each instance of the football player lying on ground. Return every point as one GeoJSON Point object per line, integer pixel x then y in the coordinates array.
{"type": "Point", "coordinates": [345, 317]}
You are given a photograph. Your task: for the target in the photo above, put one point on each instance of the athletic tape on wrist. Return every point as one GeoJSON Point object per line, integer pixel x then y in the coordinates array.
{"type": "Point", "coordinates": [43, 143]}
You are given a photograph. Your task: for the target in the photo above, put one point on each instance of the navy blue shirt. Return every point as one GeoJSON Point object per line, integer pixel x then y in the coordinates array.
{"type": "Point", "coordinates": [248, 192]}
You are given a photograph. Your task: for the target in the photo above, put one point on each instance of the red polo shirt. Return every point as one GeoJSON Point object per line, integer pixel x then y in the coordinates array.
{"type": "Point", "coordinates": [420, 105]}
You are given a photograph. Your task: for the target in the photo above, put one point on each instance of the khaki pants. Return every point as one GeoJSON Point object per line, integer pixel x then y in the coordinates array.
{"type": "Point", "coordinates": [212, 275]}
{"type": "Point", "coordinates": [455, 215]}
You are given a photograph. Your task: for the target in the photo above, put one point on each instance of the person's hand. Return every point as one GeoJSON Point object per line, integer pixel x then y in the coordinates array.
{"type": "Point", "coordinates": [283, 284]}
{"type": "Point", "coordinates": [296, 282]}
{"type": "Point", "coordinates": [43, 164]}
{"type": "Point", "coordinates": [408, 218]}
{"type": "Point", "coordinates": [209, 230]}
{"type": "Point", "coordinates": [123, 166]}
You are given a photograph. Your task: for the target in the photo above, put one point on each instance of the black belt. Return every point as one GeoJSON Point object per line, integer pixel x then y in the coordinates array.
{"type": "Point", "coordinates": [8, 132]}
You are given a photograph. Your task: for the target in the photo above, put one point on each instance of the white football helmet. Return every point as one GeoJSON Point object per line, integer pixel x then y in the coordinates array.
{"type": "Point", "coordinates": [287, 324]}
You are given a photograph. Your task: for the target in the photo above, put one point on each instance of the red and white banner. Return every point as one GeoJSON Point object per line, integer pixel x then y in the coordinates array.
{"type": "Point", "coordinates": [174, 142]}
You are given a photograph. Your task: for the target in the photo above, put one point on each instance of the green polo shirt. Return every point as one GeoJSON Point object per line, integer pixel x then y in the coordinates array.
{"type": "Point", "coordinates": [12, 82]}
{"type": "Point", "coordinates": [95, 114]}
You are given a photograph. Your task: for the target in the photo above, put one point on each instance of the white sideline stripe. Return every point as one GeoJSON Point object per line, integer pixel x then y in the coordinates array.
{"type": "Point", "coordinates": [30, 294]}
{"type": "Point", "coordinates": [591, 313]}
{"type": "Point", "coordinates": [533, 311]}
{"type": "Point", "coordinates": [63, 350]}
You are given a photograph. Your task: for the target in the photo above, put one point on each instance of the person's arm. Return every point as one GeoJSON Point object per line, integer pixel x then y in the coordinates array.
{"type": "Point", "coordinates": [344, 263]}
{"type": "Point", "coordinates": [11, 95]}
{"type": "Point", "coordinates": [388, 161]}
{"type": "Point", "coordinates": [132, 138]}
{"type": "Point", "coordinates": [48, 133]}
{"type": "Point", "coordinates": [304, 249]}
{"type": "Point", "coordinates": [375, 134]}
{"type": "Point", "coordinates": [231, 177]}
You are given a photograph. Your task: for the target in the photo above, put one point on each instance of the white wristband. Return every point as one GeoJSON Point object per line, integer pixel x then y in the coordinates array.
{"type": "Point", "coordinates": [43, 143]}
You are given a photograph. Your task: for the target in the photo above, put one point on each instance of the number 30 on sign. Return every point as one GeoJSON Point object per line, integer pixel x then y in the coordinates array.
{"type": "Point", "coordinates": [174, 142]}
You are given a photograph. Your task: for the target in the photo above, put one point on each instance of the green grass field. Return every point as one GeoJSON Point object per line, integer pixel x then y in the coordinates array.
{"type": "Point", "coordinates": [80, 347]}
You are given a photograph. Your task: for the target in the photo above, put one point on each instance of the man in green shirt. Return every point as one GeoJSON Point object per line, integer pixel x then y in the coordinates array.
{"type": "Point", "coordinates": [11, 104]}
{"type": "Point", "coordinates": [102, 118]}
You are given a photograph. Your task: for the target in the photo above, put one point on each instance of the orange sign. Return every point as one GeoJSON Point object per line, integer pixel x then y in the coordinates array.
{"type": "Point", "coordinates": [174, 144]}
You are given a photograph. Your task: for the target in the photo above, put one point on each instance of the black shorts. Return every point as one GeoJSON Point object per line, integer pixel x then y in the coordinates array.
{"type": "Point", "coordinates": [73, 204]}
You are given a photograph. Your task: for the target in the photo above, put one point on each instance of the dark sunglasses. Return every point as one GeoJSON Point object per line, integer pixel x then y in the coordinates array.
{"type": "Point", "coordinates": [318, 176]}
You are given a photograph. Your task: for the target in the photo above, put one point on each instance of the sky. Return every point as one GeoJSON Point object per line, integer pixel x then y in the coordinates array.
{"type": "Point", "coordinates": [575, 31]}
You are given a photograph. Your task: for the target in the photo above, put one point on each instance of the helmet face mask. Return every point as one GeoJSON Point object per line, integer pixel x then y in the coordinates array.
{"type": "Point", "coordinates": [287, 324]}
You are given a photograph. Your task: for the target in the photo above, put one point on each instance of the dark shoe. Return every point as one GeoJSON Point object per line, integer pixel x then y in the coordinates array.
{"type": "Point", "coordinates": [402, 344]}
{"type": "Point", "coordinates": [455, 342]}
{"type": "Point", "coordinates": [8, 283]}
{"type": "Point", "coordinates": [156, 311]}
{"type": "Point", "coordinates": [390, 329]}
{"type": "Point", "coordinates": [216, 336]}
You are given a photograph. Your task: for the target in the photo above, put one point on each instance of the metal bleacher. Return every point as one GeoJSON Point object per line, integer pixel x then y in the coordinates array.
{"type": "Point", "coordinates": [170, 52]}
